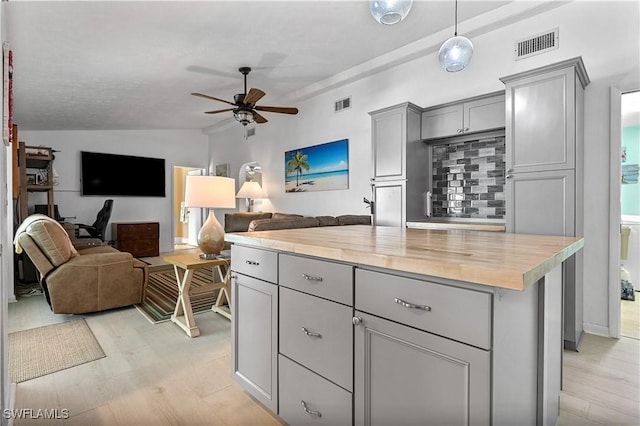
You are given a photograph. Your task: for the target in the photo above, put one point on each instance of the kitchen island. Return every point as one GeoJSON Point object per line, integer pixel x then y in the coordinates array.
{"type": "Point", "coordinates": [381, 325]}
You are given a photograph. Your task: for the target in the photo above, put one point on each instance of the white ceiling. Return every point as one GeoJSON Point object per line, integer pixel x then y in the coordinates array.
{"type": "Point", "coordinates": [132, 65]}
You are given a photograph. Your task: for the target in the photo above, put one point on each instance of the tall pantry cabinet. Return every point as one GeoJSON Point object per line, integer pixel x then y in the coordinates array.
{"type": "Point", "coordinates": [398, 165]}
{"type": "Point", "coordinates": [545, 166]}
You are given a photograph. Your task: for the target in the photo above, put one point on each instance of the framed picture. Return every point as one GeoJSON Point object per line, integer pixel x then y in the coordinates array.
{"type": "Point", "coordinates": [222, 170]}
{"type": "Point", "coordinates": [318, 167]}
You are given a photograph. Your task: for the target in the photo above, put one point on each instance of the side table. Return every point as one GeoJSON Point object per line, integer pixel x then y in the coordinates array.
{"type": "Point", "coordinates": [184, 266]}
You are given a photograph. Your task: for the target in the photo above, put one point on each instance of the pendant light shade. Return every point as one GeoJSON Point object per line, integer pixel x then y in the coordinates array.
{"type": "Point", "coordinates": [455, 53]}
{"type": "Point", "coordinates": [389, 12]}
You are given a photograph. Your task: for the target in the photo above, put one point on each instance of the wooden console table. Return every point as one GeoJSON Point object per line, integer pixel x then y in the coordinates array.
{"type": "Point", "coordinates": [141, 239]}
{"type": "Point", "coordinates": [184, 266]}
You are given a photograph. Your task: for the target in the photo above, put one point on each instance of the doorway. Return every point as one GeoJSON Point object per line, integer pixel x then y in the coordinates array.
{"type": "Point", "coordinates": [624, 238]}
{"type": "Point", "coordinates": [186, 222]}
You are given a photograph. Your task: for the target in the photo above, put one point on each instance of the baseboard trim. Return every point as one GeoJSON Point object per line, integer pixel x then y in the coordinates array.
{"type": "Point", "coordinates": [598, 330]}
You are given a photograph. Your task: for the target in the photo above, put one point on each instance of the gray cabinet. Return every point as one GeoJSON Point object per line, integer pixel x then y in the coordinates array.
{"type": "Point", "coordinates": [316, 341]}
{"type": "Point", "coordinates": [404, 376]}
{"type": "Point", "coordinates": [420, 363]}
{"type": "Point", "coordinates": [254, 328]}
{"type": "Point", "coordinates": [545, 166]}
{"type": "Point", "coordinates": [398, 167]}
{"type": "Point", "coordinates": [471, 116]}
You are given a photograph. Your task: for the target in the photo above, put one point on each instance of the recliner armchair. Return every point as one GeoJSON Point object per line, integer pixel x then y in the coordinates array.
{"type": "Point", "coordinates": [80, 281]}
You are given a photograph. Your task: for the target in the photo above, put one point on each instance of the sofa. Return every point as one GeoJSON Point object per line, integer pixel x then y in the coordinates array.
{"type": "Point", "coordinates": [267, 221]}
{"type": "Point", "coordinates": [77, 281]}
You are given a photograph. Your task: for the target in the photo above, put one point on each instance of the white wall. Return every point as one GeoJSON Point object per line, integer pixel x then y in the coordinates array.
{"type": "Point", "coordinates": [610, 50]}
{"type": "Point", "coordinates": [177, 147]}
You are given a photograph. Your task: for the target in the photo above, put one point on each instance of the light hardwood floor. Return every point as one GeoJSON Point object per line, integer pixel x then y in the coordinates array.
{"type": "Point", "coordinates": [155, 374]}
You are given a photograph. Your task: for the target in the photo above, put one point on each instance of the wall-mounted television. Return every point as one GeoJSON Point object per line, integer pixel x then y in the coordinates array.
{"type": "Point", "coordinates": [114, 174]}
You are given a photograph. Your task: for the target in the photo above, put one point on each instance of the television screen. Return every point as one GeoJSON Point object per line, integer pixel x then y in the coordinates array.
{"type": "Point", "coordinates": [112, 174]}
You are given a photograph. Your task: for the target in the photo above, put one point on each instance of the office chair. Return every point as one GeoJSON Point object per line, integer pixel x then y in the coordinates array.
{"type": "Point", "coordinates": [99, 227]}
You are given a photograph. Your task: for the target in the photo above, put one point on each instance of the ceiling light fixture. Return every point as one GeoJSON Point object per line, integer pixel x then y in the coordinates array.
{"type": "Point", "coordinates": [455, 53]}
{"type": "Point", "coordinates": [389, 12]}
{"type": "Point", "coordinates": [244, 117]}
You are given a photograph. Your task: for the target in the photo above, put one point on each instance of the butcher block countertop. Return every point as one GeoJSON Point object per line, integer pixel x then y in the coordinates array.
{"type": "Point", "coordinates": [497, 259]}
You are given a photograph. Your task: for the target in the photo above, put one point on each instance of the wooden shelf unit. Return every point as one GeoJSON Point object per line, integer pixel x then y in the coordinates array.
{"type": "Point", "coordinates": [41, 159]}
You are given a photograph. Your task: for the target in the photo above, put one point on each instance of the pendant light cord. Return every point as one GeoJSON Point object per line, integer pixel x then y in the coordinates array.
{"type": "Point", "coordinates": [455, 31]}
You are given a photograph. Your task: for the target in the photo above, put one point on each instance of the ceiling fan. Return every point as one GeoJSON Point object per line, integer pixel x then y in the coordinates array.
{"type": "Point", "coordinates": [244, 105]}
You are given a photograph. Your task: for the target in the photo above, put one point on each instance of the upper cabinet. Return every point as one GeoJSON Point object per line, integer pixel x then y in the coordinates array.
{"type": "Point", "coordinates": [470, 116]}
{"type": "Point", "coordinates": [391, 130]}
{"type": "Point", "coordinates": [542, 117]}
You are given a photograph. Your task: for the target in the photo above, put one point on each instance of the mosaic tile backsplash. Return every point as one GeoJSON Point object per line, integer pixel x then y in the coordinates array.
{"type": "Point", "coordinates": [469, 179]}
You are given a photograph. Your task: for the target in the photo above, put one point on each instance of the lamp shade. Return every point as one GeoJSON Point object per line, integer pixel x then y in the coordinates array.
{"type": "Point", "coordinates": [455, 53]}
{"type": "Point", "coordinates": [251, 190]}
{"type": "Point", "coordinates": [210, 192]}
{"type": "Point", "coordinates": [389, 12]}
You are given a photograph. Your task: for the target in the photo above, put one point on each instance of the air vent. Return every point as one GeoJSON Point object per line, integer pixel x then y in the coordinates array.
{"type": "Point", "coordinates": [249, 131]}
{"type": "Point", "coordinates": [537, 44]}
{"type": "Point", "coordinates": [342, 104]}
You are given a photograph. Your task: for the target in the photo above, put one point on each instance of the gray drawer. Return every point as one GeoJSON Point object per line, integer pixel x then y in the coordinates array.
{"type": "Point", "coordinates": [297, 384]}
{"type": "Point", "coordinates": [333, 281]}
{"type": "Point", "coordinates": [330, 354]}
{"type": "Point", "coordinates": [257, 263]}
{"type": "Point", "coordinates": [456, 313]}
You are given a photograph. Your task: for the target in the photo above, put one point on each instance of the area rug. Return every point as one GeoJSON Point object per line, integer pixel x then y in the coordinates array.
{"type": "Point", "coordinates": [162, 295]}
{"type": "Point", "coordinates": [44, 350]}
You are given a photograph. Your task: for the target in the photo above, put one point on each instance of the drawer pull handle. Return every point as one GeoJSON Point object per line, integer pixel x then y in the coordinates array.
{"type": "Point", "coordinates": [306, 409]}
{"type": "Point", "coordinates": [252, 262]}
{"type": "Point", "coordinates": [411, 305]}
{"type": "Point", "coordinates": [311, 278]}
{"type": "Point", "coordinates": [311, 333]}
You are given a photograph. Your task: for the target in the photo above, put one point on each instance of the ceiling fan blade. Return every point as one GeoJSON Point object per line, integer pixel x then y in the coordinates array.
{"type": "Point", "coordinates": [212, 98]}
{"type": "Point", "coordinates": [253, 96]}
{"type": "Point", "coordinates": [219, 110]}
{"type": "Point", "coordinates": [258, 118]}
{"type": "Point", "coordinates": [281, 110]}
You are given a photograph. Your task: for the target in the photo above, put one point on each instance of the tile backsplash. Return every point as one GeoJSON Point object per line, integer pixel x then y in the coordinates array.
{"type": "Point", "coordinates": [469, 179]}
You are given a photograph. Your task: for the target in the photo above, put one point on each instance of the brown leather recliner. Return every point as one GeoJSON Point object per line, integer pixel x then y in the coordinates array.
{"type": "Point", "coordinates": [80, 281]}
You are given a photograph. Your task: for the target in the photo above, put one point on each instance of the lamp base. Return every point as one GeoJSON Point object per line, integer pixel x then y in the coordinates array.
{"type": "Point", "coordinates": [211, 236]}
{"type": "Point", "coordinates": [210, 256]}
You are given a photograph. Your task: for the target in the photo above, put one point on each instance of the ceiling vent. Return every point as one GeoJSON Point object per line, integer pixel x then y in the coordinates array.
{"type": "Point", "coordinates": [537, 44]}
{"type": "Point", "coordinates": [342, 104]}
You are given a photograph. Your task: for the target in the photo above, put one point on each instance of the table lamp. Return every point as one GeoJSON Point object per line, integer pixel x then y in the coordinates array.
{"type": "Point", "coordinates": [210, 192]}
{"type": "Point", "coordinates": [251, 190]}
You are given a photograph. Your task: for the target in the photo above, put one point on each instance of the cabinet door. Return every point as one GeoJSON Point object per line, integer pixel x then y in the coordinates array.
{"type": "Point", "coordinates": [442, 122]}
{"type": "Point", "coordinates": [484, 114]}
{"type": "Point", "coordinates": [404, 376]}
{"type": "Point", "coordinates": [389, 198]}
{"type": "Point", "coordinates": [540, 128]}
{"type": "Point", "coordinates": [254, 335]}
{"type": "Point", "coordinates": [388, 132]}
{"type": "Point", "coordinates": [541, 203]}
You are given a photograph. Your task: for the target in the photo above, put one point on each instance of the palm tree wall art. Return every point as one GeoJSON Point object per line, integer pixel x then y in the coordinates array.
{"type": "Point", "coordinates": [318, 167]}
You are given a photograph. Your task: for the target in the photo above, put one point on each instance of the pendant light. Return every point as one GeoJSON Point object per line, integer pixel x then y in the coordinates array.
{"type": "Point", "coordinates": [455, 53]}
{"type": "Point", "coordinates": [389, 12]}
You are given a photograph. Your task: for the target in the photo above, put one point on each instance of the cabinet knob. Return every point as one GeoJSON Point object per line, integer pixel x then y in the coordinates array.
{"type": "Point", "coordinates": [234, 276]}
{"type": "Point", "coordinates": [459, 131]}
{"type": "Point", "coordinates": [356, 320]}
{"type": "Point", "coordinates": [509, 170]}
{"type": "Point", "coordinates": [508, 176]}
{"type": "Point", "coordinates": [466, 129]}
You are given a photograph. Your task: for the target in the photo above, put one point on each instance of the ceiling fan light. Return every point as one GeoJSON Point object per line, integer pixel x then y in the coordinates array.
{"type": "Point", "coordinates": [243, 117]}
{"type": "Point", "coordinates": [389, 12]}
{"type": "Point", "coordinates": [455, 53]}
